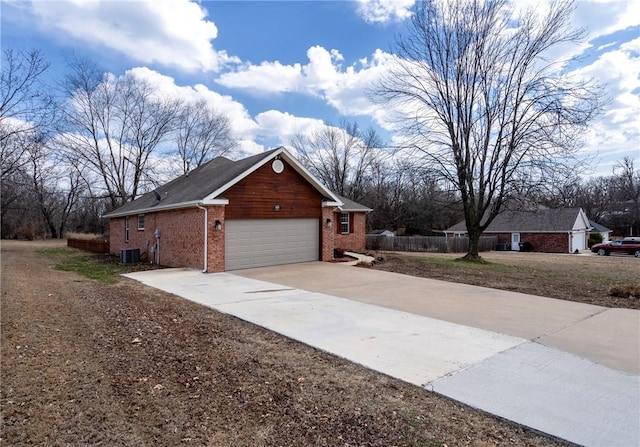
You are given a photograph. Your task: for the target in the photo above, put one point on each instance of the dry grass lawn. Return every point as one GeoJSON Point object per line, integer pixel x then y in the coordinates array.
{"type": "Point", "coordinates": [585, 278]}
{"type": "Point", "coordinates": [85, 362]}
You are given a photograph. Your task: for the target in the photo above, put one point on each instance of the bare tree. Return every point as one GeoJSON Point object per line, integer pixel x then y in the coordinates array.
{"type": "Point", "coordinates": [627, 180]}
{"type": "Point", "coordinates": [26, 107]}
{"type": "Point", "coordinates": [113, 125]}
{"type": "Point", "coordinates": [14, 185]}
{"type": "Point", "coordinates": [626, 183]}
{"type": "Point", "coordinates": [202, 134]}
{"type": "Point", "coordinates": [53, 189]}
{"type": "Point", "coordinates": [406, 197]}
{"type": "Point", "coordinates": [340, 156]}
{"type": "Point", "coordinates": [594, 196]}
{"type": "Point", "coordinates": [485, 103]}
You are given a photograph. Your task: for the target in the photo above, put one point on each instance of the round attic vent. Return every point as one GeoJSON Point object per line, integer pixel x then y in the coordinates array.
{"type": "Point", "coordinates": [277, 166]}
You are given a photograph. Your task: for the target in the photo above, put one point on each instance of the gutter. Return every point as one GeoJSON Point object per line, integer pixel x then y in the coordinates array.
{"type": "Point", "coordinates": [155, 208]}
{"type": "Point", "coordinates": [206, 234]}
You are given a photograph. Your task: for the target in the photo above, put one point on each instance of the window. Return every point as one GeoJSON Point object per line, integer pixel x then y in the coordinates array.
{"type": "Point", "coordinates": [126, 229]}
{"type": "Point", "coordinates": [344, 223]}
{"type": "Point", "coordinates": [140, 221]}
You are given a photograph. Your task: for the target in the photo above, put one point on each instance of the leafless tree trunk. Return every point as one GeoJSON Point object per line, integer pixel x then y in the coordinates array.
{"type": "Point", "coordinates": [55, 189]}
{"type": "Point", "coordinates": [202, 134]}
{"type": "Point", "coordinates": [341, 157]}
{"type": "Point", "coordinates": [483, 101]}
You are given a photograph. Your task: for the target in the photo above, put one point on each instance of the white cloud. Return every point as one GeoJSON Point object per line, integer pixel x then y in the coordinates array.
{"type": "Point", "coordinates": [383, 11]}
{"type": "Point", "coordinates": [173, 33]}
{"type": "Point", "coordinates": [271, 126]}
{"type": "Point", "coordinates": [283, 126]}
{"type": "Point", "coordinates": [323, 76]}
{"type": "Point", "coordinates": [264, 79]}
{"type": "Point", "coordinates": [617, 131]}
{"type": "Point", "coordinates": [273, 77]}
{"type": "Point", "coordinates": [603, 17]}
{"type": "Point", "coordinates": [244, 128]}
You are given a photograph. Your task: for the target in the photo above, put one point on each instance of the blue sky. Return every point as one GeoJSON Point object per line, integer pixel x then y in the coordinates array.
{"type": "Point", "coordinates": [278, 68]}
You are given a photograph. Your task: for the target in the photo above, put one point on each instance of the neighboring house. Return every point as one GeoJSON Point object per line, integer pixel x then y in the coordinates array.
{"type": "Point", "coordinates": [604, 231]}
{"type": "Point", "coordinates": [226, 215]}
{"type": "Point", "coordinates": [561, 230]}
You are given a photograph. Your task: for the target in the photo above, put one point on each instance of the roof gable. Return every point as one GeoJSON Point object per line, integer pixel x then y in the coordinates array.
{"type": "Point", "coordinates": [582, 221]}
{"type": "Point", "coordinates": [206, 184]}
{"type": "Point", "coordinates": [247, 166]}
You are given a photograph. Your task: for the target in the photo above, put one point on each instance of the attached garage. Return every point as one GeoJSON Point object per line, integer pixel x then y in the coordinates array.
{"type": "Point", "coordinates": [263, 210]}
{"type": "Point", "coordinates": [262, 242]}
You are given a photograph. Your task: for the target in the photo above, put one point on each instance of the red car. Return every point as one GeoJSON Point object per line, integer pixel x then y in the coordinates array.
{"type": "Point", "coordinates": [630, 246]}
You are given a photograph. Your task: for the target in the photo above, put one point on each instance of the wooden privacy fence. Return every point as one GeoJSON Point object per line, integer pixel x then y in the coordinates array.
{"type": "Point", "coordinates": [92, 245]}
{"type": "Point", "coordinates": [437, 244]}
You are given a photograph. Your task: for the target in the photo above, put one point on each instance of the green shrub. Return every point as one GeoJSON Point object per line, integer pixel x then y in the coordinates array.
{"type": "Point", "coordinates": [594, 238]}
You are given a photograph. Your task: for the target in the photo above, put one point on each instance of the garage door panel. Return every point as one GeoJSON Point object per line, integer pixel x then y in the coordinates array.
{"type": "Point", "coordinates": [262, 242]}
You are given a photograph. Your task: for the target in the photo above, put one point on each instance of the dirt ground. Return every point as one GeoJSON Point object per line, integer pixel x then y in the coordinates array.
{"type": "Point", "coordinates": [85, 363]}
{"type": "Point", "coordinates": [583, 278]}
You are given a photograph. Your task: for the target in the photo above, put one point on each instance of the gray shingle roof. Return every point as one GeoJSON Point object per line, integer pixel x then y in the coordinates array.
{"type": "Point", "coordinates": [194, 187]}
{"type": "Point", "coordinates": [351, 206]}
{"type": "Point", "coordinates": [599, 228]}
{"type": "Point", "coordinates": [542, 220]}
{"type": "Point", "coordinates": [212, 177]}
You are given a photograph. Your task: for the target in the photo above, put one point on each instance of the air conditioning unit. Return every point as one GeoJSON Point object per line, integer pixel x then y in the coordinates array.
{"type": "Point", "coordinates": [129, 255]}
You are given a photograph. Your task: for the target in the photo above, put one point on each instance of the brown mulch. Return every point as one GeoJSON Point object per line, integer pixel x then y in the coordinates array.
{"type": "Point", "coordinates": [84, 363]}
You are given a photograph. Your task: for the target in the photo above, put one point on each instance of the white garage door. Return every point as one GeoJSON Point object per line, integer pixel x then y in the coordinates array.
{"type": "Point", "coordinates": [578, 240]}
{"type": "Point", "coordinates": [262, 242]}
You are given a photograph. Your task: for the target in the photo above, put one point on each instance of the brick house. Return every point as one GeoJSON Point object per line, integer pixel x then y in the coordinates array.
{"type": "Point", "coordinates": [226, 215]}
{"type": "Point", "coordinates": [560, 230]}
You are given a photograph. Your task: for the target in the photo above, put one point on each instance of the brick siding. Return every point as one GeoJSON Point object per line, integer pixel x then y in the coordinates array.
{"type": "Point", "coordinates": [180, 241]}
{"type": "Point", "coordinates": [215, 255]}
{"type": "Point", "coordinates": [355, 240]}
{"type": "Point", "coordinates": [327, 234]}
{"type": "Point", "coordinates": [540, 242]}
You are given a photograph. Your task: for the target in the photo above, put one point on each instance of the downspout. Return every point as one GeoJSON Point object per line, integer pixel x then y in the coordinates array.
{"type": "Point", "coordinates": [206, 235]}
{"type": "Point", "coordinates": [571, 249]}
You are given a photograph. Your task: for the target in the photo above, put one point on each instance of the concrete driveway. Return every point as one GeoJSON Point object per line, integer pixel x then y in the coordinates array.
{"type": "Point", "coordinates": [607, 336]}
{"type": "Point", "coordinates": [567, 369]}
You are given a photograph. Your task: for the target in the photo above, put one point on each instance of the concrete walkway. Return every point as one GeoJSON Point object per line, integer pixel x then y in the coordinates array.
{"type": "Point", "coordinates": [567, 369]}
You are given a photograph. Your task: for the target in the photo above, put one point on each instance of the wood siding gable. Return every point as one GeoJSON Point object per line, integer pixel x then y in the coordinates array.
{"type": "Point", "coordinates": [257, 195]}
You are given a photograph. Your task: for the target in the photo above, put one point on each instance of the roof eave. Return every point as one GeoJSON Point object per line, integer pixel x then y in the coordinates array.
{"type": "Point", "coordinates": [173, 206]}
{"type": "Point", "coordinates": [355, 210]}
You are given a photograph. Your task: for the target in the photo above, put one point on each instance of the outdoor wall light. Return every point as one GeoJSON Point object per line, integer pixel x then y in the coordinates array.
{"type": "Point", "coordinates": [329, 223]}
{"type": "Point", "coordinates": [276, 207]}
{"type": "Point", "coordinates": [218, 225]}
